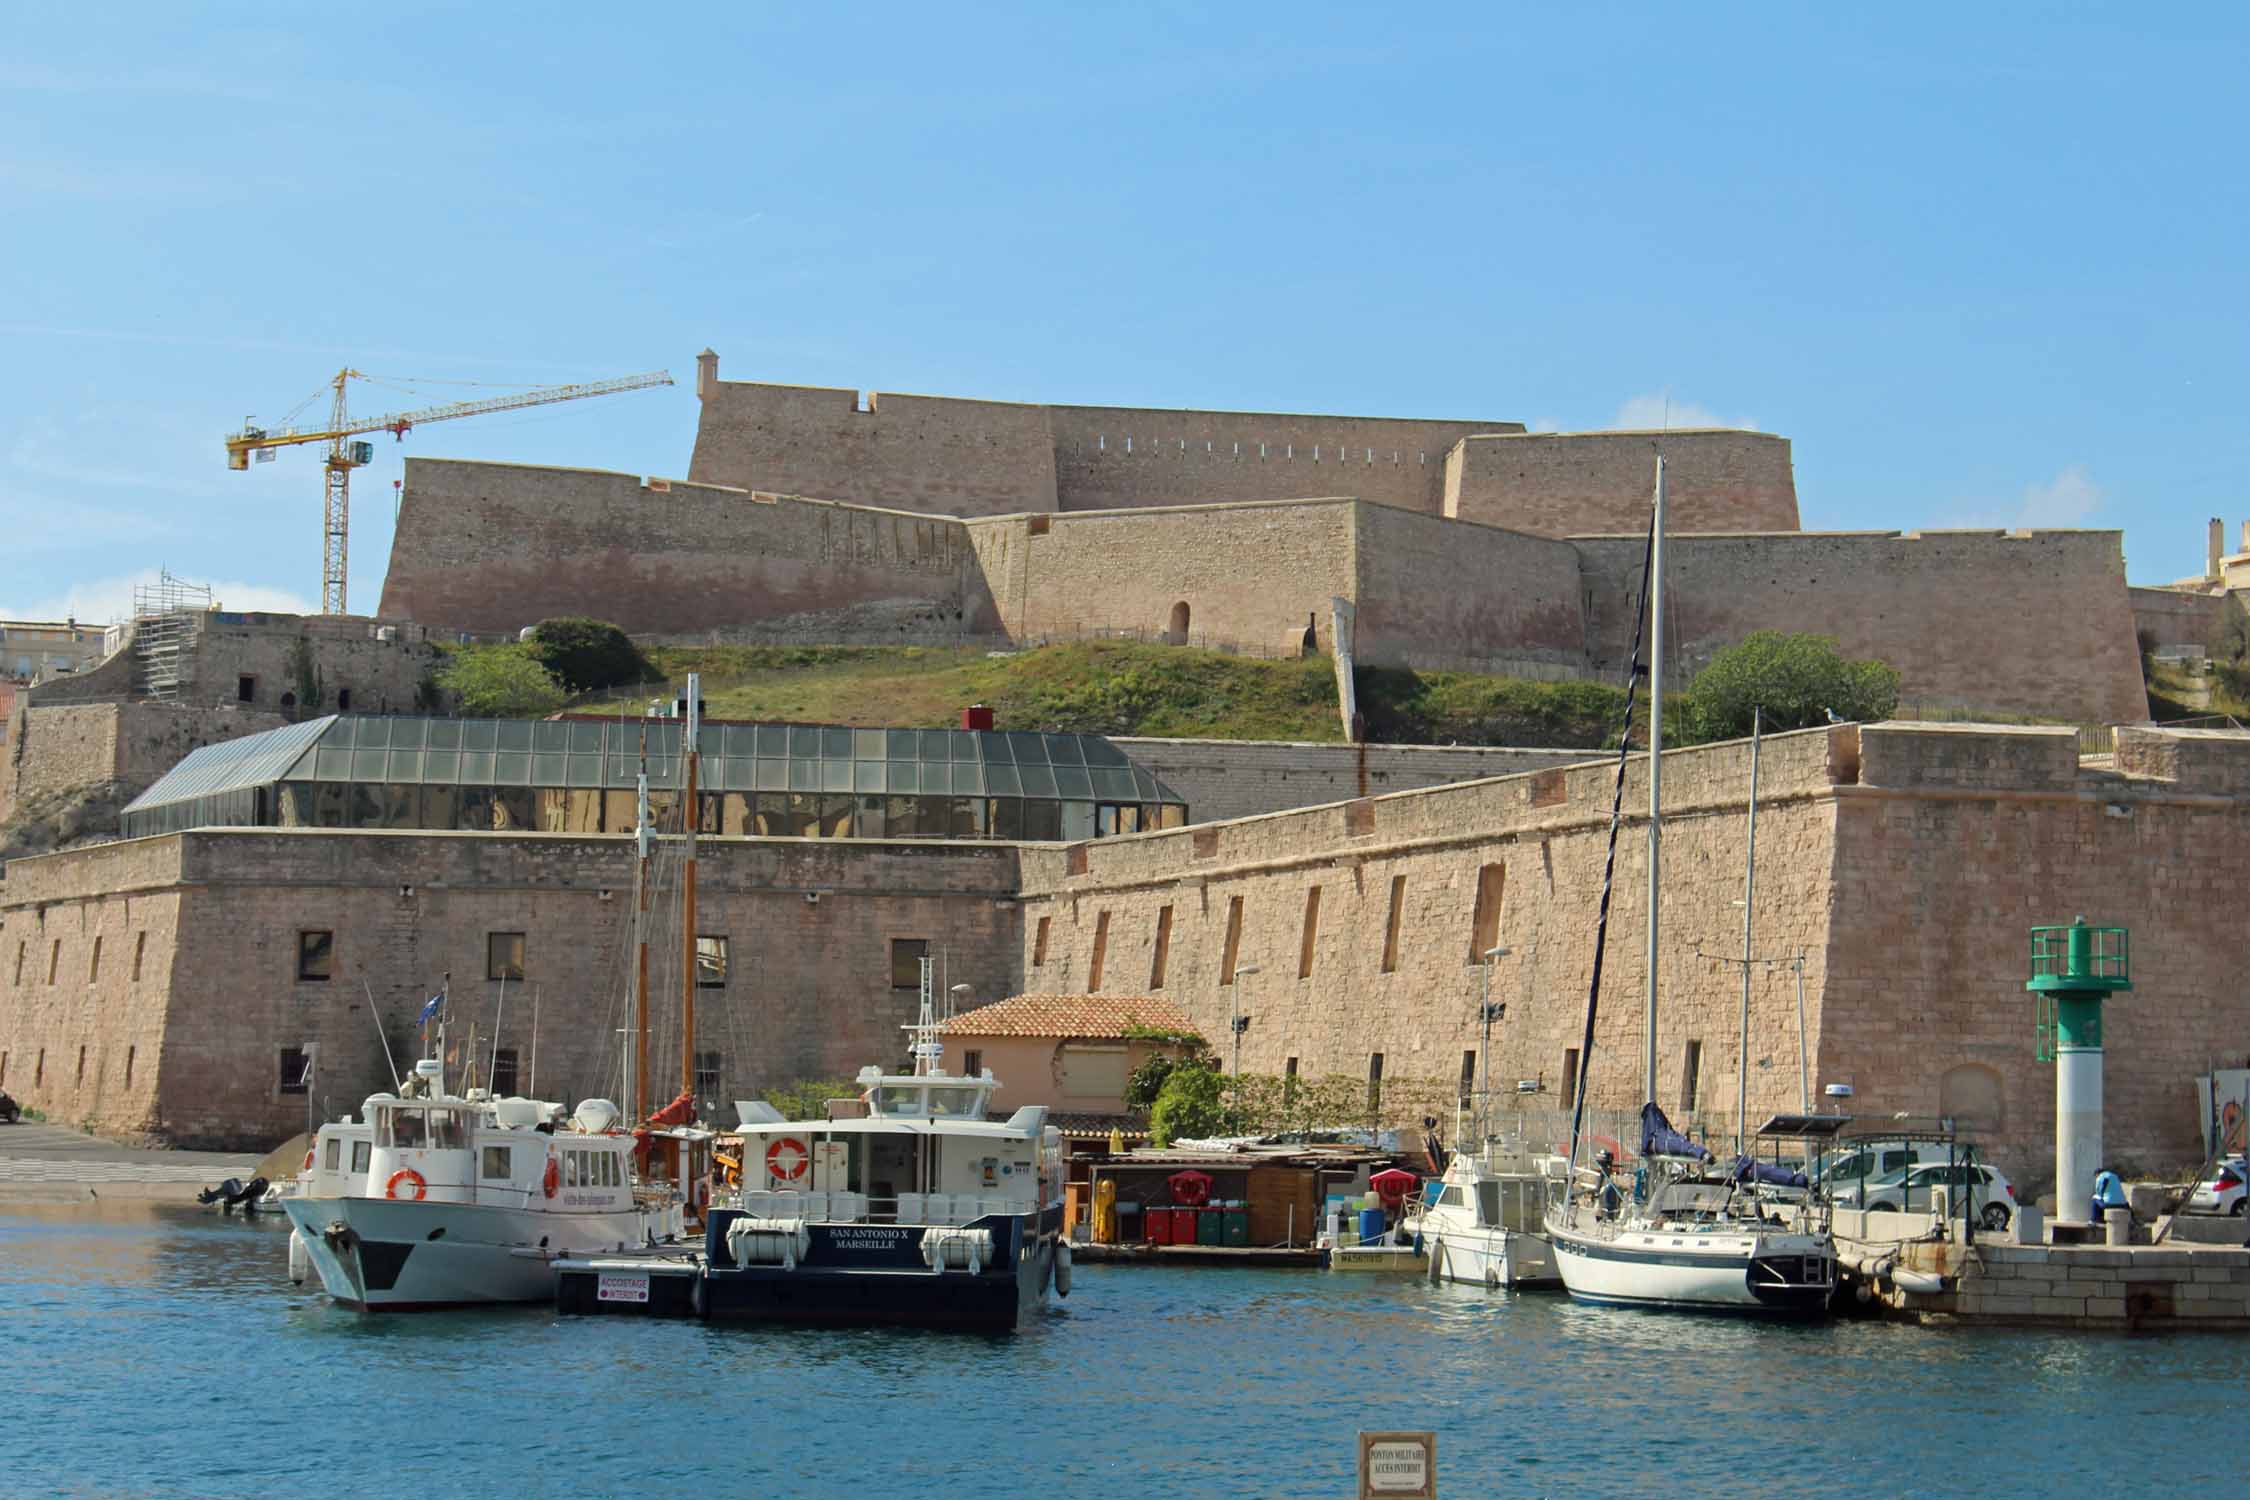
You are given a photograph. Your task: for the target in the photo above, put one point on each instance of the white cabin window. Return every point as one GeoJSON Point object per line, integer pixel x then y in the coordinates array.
{"type": "Point", "coordinates": [570, 1168]}
{"type": "Point", "coordinates": [499, 1165]}
{"type": "Point", "coordinates": [402, 1129]}
{"type": "Point", "coordinates": [361, 1151]}
{"type": "Point", "coordinates": [953, 1101]}
{"type": "Point", "coordinates": [331, 1154]}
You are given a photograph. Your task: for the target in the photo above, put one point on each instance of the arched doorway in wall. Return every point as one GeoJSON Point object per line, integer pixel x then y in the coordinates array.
{"type": "Point", "coordinates": [289, 705]}
{"type": "Point", "coordinates": [1176, 632]}
{"type": "Point", "coordinates": [343, 700]}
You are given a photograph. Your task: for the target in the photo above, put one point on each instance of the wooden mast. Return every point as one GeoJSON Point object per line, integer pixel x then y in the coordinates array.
{"type": "Point", "coordinates": [692, 818]}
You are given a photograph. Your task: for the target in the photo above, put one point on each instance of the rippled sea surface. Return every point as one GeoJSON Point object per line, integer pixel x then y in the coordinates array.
{"type": "Point", "coordinates": [159, 1350]}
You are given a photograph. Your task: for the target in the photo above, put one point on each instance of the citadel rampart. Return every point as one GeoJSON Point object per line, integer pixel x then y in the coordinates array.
{"type": "Point", "coordinates": [494, 547]}
{"type": "Point", "coordinates": [1904, 861]}
{"type": "Point", "coordinates": [2030, 622]}
{"type": "Point", "coordinates": [1575, 483]}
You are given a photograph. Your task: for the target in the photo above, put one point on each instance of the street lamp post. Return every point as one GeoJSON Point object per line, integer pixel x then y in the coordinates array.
{"type": "Point", "coordinates": [1489, 1012]}
{"type": "Point", "coordinates": [1237, 1022]}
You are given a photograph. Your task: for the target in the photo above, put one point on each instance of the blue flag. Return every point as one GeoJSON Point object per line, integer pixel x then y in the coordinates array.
{"type": "Point", "coordinates": [430, 1009]}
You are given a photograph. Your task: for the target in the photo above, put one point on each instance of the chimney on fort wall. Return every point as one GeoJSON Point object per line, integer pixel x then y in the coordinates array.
{"type": "Point", "coordinates": [707, 378]}
{"type": "Point", "coordinates": [2218, 546]}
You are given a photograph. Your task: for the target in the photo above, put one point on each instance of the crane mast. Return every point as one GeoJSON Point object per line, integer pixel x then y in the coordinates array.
{"type": "Point", "coordinates": [345, 456]}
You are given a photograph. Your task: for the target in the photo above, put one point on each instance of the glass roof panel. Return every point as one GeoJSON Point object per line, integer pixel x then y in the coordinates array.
{"type": "Point", "coordinates": [1102, 753]}
{"type": "Point", "coordinates": [253, 760]}
{"type": "Point", "coordinates": [1003, 781]}
{"type": "Point", "coordinates": [1038, 781]}
{"type": "Point", "coordinates": [1073, 784]}
{"type": "Point", "coordinates": [994, 747]}
{"type": "Point", "coordinates": [1063, 750]}
{"type": "Point", "coordinates": [935, 746]}
{"type": "Point", "coordinates": [937, 779]}
{"type": "Point", "coordinates": [867, 744]}
{"type": "Point", "coordinates": [1114, 785]}
{"type": "Point", "coordinates": [1028, 749]}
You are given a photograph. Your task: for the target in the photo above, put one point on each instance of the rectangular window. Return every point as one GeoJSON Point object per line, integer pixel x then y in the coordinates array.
{"type": "Point", "coordinates": [1163, 956]}
{"type": "Point", "coordinates": [1310, 934]}
{"type": "Point", "coordinates": [81, 1079]}
{"type": "Point", "coordinates": [1374, 1082]}
{"type": "Point", "coordinates": [1468, 1075]}
{"type": "Point", "coordinates": [1289, 1081]}
{"type": "Point", "coordinates": [711, 961]}
{"type": "Point", "coordinates": [296, 1070]}
{"type": "Point", "coordinates": [1390, 927]}
{"type": "Point", "coordinates": [3, 1067]}
{"type": "Point", "coordinates": [906, 962]}
{"type": "Point", "coordinates": [39, 1069]}
{"type": "Point", "coordinates": [1234, 940]}
{"type": "Point", "coordinates": [1570, 1076]}
{"type": "Point", "coordinates": [361, 1152]}
{"type": "Point", "coordinates": [19, 964]}
{"type": "Point", "coordinates": [1101, 953]}
{"type": "Point", "coordinates": [94, 961]}
{"type": "Point", "coordinates": [498, 1164]}
{"type": "Point", "coordinates": [54, 960]}
{"type": "Point", "coordinates": [246, 689]}
{"type": "Point", "coordinates": [708, 1067]}
{"type": "Point", "coordinates": [129, 1055]}
{"type": "Point", "coordinates": [140, 947]}
{"type": "Point", "coordinates": [503, 955]}
{"type": "Point", "coordinates": [316, 957]}
{"type": "Point", "coordinates": [503, 1071]}
{"type": "Point", "coordinates": [1690, 1068]}
{"type": "Point", "coordinates": [972, 1063]}
{"type": "Point", "coordinates": [332, 1154]}
{"type": "Point", "coordinates": [1039, 944]}
{"type": "Point", "coordinates": [570, 1168]}
{"type": "Point", "coordinates": [1484, 925]}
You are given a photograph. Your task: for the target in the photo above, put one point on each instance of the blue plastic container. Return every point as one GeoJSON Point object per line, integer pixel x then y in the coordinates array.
{"type": "Point", "coordinates": [1370, 1226]}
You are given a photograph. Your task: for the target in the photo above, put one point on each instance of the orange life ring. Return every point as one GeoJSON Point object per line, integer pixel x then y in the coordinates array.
{"type": "Point", "coordinates": [553, 1179]}
{"type": "Point", "coordinates": [787, 1158]}
{"type": "Point", "coordinates": [408, 1175]}
{"type": "Point", "coordinates": [308, 1159]}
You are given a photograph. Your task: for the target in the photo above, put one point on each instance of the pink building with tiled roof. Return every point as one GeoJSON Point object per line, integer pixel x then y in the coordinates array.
{"type": "Point", "coordinates": [1071, 1053]}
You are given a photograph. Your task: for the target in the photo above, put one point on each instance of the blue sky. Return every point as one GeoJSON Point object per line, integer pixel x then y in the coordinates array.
{"type": "Point", "coordinates": [1984, 265]}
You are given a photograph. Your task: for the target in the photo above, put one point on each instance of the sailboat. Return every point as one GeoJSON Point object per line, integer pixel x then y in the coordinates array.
{"type": "Point", "coordinates": [1677, 1233]}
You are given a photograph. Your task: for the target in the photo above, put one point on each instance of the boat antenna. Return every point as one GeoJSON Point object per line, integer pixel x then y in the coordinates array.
{"type": "Point", "coordinates": [1609, 861]}
{"type": "Point", "coordinates": [381, 1035]}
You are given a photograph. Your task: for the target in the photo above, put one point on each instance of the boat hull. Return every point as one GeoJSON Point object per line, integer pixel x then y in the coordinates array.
{"type": "Point", "coordinates": [1489, 1257]}
{"type": "Point", "coordinates": [1773, 1275]}
{"type": "Point", "coordinates": [869, 1274]}
{"type": "Point", "coordinates": [387, 1255]}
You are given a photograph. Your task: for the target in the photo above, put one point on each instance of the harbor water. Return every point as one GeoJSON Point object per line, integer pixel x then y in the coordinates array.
{"type": "Point", "coordinates": [157, 1350]}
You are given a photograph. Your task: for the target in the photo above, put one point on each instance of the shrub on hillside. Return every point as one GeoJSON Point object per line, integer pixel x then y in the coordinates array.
{"type": "Point", "coordinates": [1796, 680]}
{"type": "Point", "coordinates": [500, 682]}
{"type": "Point", "coordinates": [586, 656]}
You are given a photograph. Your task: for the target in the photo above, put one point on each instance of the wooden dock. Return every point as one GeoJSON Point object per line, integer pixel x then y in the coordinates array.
{"type": "Point", "coordinates": [1189, 1255]}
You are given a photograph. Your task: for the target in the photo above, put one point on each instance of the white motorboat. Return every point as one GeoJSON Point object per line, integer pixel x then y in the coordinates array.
{"type": "Point", "coordinates": [921, 1212]}
{"type": "Point", "coordinates": [1484, 1222]}
{"type": "Point", "coordinates": [1680, 1237]}
{"type": "Point", "coordinates": [467, 1202]}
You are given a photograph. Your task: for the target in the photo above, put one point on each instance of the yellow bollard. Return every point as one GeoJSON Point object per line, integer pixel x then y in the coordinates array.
{"type": "Point", "coordinates": [1105, 1212]}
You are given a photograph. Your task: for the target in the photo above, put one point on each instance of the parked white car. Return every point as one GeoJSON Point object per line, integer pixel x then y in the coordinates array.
{"type": "Point", "coordinates": [2223, 1192]}
{"type": "Point", "coordinates": [1992, 1198]}
{"type": "Point", "coordinates": [1867, 1160]}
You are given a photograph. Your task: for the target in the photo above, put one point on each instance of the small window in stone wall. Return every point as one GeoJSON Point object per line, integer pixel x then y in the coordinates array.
{"type": "Point", "coordinates": [1101, 953]}
{"type": "Point", "coordinates": [130, 1054]}
{"type": "Point", "coordinates": [1374, 1082]}
{"type": "Point", "coordinates": [503, 955]}
{"type": "Point", "coordinates": [1468, 1075]}
{"type": "Point", "coordinates": [1691, 1070]}
{"type": "Point", "coordinates": [3, 1067]}
{"type": "Point", "coordinates": [81, 1080]}
{"type": "Point", "coordinates": [140, 947]}
{"type": "Point", "coordinates": [296, 1070]}
{"type": "Point", "coordinates": [246, 689]}
{"type": "Point", "coordinates": [1484, 921]}
{"type": "Point", "coordinates": [316, 957]}
{"type": "Point", "coordinates": [1163, 956]}
{"type": "Point", "coordinates": [906, 962]}
{"type": "Point", "coordinates": [1570, 1076]}
{"type": "Point", "coordinates": [39, 1069]}
{"type": "Point", "coordinates": [711, 961]}
{"type": "Point", "coordinates": [503, 1071]}
{"type": "Point", "coordinates": [972, 1062]}
{"type": "Point", "coordinates": [1390, 925]}
{"type": "Point", "coordinates": [709, 1068]}
{"type": "Point", "coordinates": [1234, 940]}
{"type": "Point", "coordinates": [1039, 944]}
{"type": "Point", "coordinates": [54, 960]}
{"type": "Point", "coordinates": [1309, 936]}
{"type": "Point", "coordinates": [19, 964]}
{"type": "Point", "coordinates": [94, 961]}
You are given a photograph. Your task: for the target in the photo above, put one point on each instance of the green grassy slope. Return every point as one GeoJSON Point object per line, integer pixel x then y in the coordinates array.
{"type": "Point", "coordinates": [1123, 687]}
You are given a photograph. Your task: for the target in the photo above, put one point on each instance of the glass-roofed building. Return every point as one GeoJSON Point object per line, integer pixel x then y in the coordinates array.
{"type": "Point", "coordinates": [577, 776]}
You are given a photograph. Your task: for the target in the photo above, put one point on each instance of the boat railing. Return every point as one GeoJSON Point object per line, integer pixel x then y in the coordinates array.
{"type": "Point", "coordinates": [839, 1207]}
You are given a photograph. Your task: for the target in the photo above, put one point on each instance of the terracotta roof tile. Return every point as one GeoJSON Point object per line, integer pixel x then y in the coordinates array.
{"type": "Point", "coordinates": [1090, 1016]}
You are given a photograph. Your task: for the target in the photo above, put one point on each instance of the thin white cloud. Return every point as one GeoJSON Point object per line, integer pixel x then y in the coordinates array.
{"type": "Point", "coordinates": [2065, 500]}
{"type": "Point", "coordinates": [105, 599]}
{"type": "Point", "coordinates": [1662, 409]}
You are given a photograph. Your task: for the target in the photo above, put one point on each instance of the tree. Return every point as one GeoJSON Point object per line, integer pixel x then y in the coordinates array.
{"type": "Point", "coordinates": [586, 655]}
{"type": "Point", "coordinates": [500, 682]}
{"type": "Point", "coordinates": [1797, 680]}
{"type": "Point", "coordinates": [1190, 1105]}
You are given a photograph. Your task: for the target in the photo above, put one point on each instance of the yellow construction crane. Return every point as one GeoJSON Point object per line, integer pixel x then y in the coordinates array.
{"type": "Point", "coordinates": [345, 456]}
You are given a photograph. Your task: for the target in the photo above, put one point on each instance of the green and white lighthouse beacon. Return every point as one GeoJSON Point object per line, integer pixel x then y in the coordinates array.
{"type": "Point", "coordinates": [2072, 970]}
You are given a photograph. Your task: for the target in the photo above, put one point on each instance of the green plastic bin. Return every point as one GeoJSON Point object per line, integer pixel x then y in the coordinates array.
{"type": "Point", "coordinates": [1210, 1226]}
{"type": "Point", "coordinates": [1237, 1223]}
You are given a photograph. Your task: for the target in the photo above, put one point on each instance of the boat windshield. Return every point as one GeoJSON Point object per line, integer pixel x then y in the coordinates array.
{"type": "Point", "coordinates": [414, 1129]}
{"type": "Point", "coordinates": [953, 1101]}
{"type": "Point", "coordinates": [898, 1099]}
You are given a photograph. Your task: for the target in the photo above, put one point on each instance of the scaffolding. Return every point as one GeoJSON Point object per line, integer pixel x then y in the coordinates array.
{"type": "Point", "coordinates": [166, 614]}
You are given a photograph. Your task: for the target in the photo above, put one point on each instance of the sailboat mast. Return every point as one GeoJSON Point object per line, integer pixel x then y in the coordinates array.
{"type": "Point", "coordinates": [1655, 780]}
{"type": "Point", "coordinates": [692, 818]}
{"type": "Point", "coordinates": [639, 1107]}
{"type": "Point", "coordinates": [1749, 888]}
